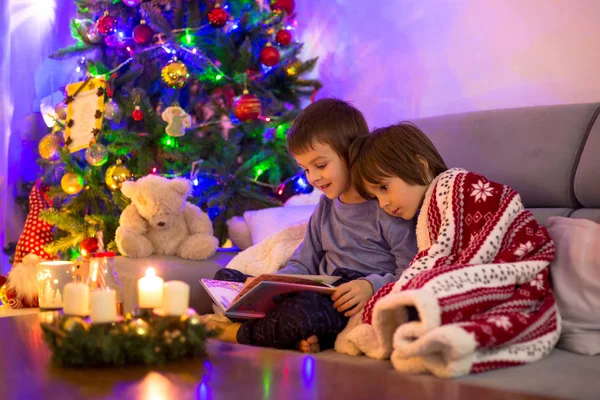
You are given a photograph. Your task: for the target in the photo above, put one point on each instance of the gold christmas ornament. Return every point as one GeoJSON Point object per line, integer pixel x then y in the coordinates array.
{"type": "Point", "coordinates": [74, 322]}
{"type": "Point", "coordinates": [175, 74]}
{"type": "Point", "coordinates": [49, 147]}
{"type": "Point", "coordinates": [3, 295]}
{"type": "Point", "coordinates": [116, 175]}
{"type": "Point", "coordinates": [71, 183]}
{"type": "Point", "coordinates": [139, 326]}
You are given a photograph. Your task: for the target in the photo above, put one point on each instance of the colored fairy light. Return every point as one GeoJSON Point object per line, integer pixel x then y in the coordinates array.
{"type": "Point", "coordinates": [219, 77]}
{"type": "Point", "coordinates": [195, 181]}
{"type": "Point", "coordinates": [267, 375]}
{"type": "Point", "coordinates": [302, 183]}
{"type": "Point", "coordinates": [308, 371]}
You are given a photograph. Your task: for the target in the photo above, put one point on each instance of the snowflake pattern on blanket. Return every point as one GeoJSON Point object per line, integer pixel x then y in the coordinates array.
{"type": "Point", "coordinates": [480, 284]}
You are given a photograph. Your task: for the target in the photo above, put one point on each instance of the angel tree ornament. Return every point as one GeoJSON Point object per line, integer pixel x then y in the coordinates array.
{"type": "Point", "coordinates": [177, 121]}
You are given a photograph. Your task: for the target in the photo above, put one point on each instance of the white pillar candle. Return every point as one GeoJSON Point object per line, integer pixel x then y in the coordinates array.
{"type": "Point", "coordinates": [76, 299]}
{"type": "Point", "coordinates": [150, 290]}
{"type": "Point", "coordinates": [103, 305]}
{"type": "Point", "coordinates": [176, 298]}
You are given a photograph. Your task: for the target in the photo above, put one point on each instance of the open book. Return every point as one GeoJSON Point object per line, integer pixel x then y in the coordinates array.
{"type": "Point", "coordinates": [256, 298]}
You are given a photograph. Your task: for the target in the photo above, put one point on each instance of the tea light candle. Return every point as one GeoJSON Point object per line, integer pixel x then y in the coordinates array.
{"type": "Point", "coordinates": [76, 300]}
{"type": "Point", "coordinates": [103, 305]}
{"type": "Point", "coordinates": [150, 290]}
{"type": "Point", "coordinates": [176, 297]}
{"type": "Point", "coordinates": [52, 276]}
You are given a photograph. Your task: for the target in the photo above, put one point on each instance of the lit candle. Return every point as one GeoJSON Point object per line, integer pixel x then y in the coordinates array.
{"type": "Point", "coordinates": [103, 305]}
{"type": "Point", "coordinates": [150, 290]}
{"type": "Point", "coordinates": [76, 299]}
{"type": "Point", "coordinates": [176, 298]}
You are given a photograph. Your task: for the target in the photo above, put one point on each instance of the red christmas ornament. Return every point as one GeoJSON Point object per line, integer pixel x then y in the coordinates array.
{"type": "Point", "coordinates": [283, 5]}
{"type": "Point", "coordinates": [247, 107]}
{"type": "Point", "coordinates": [269, 55]}
{"type": "Point", "coordinates": [283, 37]}
{"type": "Point", "coordinates": [88, 246]}
{"type": "Point", "coordinates": [137, 114]}
{"type": "Point", "coordinates": [106, 24]}
{"type": "Point", "coordinates": [143, 34]}
{"type": "Point", "coordinates": [217, 17]}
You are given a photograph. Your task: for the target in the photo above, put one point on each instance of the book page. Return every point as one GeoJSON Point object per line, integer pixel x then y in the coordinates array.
{"type": "Point", "coordinates": [316, 281]}
{"type": "Point", "coordinates": [222, 292]}
{"type": "Point", "coordinates": [262, 298]}
{"type": "Point", "coordinates": [327, 279]}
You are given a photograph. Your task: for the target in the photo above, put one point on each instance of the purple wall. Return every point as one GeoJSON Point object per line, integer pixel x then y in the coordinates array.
{"type": "Point", "coordinates": [412, 58]}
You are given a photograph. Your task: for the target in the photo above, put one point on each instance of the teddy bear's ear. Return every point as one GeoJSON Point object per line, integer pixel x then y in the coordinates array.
{"type": "Point", "coordinates": [128, 189]}
{"type": "Point", "coordinates": [181, 186]}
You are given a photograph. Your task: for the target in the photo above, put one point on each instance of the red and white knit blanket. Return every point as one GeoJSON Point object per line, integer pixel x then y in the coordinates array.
{"type": "Point", "coordinates": [480, 285]}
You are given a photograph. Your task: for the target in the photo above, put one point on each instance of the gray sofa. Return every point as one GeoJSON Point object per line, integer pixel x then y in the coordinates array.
{"type": "Point", "coordinates": [550, 155]}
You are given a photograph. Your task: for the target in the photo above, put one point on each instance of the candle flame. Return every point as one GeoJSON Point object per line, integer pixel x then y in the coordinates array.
{"type": "Point", "coordinates": [150, 272]}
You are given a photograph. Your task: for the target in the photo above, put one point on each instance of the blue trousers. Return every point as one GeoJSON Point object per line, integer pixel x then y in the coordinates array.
{"type": "Point", "coordinates": [296, 317]}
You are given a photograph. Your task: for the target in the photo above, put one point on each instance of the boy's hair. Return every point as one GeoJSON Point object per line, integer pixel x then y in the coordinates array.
{"type": "Point", "coordinates": [398, 150]}
{"type": "Point", "coordinates": [329, 121]}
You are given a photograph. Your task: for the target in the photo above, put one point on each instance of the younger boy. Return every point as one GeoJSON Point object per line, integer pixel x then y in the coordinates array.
{"type": "Point", "coordinates": [347, 236]}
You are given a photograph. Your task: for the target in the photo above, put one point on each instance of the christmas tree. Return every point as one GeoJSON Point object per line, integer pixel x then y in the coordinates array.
{"type": "Point", "coordinates": [193, 88]}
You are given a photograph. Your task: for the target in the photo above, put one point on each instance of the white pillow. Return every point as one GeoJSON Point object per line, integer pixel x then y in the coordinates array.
{"type": "Point", "coordinates": [263, 223]}
{"type": "Point", "coordinates": [239, 233]}
{"type": "Point", "coordinates": [576, 280]}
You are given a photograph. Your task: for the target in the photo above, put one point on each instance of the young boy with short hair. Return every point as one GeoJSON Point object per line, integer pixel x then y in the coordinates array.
{"type": "Point", "coordinates": [347, 236]}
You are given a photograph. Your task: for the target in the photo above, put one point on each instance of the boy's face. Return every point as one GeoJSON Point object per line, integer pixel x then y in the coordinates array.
{"type": "Point", "coordinates": [398, 198]}
{"type": "Point", "coordinates": [325, 170]}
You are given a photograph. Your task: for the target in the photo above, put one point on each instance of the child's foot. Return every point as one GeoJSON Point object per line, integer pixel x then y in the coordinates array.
{"type": "Point", "coordinates": [227, 330]}
{"type": "Point", "coordinates": [310, 345]}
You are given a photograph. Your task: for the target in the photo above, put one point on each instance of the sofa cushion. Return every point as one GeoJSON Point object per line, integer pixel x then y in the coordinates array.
{"type": "Point", "coordinates": [587, 184]}
{"type": "Point", "coordinates": [534, 150]}
{"type": "Point", "coordinates": [542, 214]}
{"type": "Point", "coordinates": [576, 280]}
{"type": "Point", "coordinates": [593, 214]}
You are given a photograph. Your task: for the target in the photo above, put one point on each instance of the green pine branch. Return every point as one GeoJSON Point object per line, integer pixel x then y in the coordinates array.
{"type": "Point", "coordinates": [72, 51]}
{"type": "Point", "coordinates": [156, 20]}
{"type": "Point", "coordinates": [63, 244]}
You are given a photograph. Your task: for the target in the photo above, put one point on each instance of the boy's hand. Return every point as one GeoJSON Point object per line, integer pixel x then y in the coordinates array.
{"type": "Point", "coordinates": [352, 296]}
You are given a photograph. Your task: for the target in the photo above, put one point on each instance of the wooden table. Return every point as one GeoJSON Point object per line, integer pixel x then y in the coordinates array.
{"type": "Point", "coordinates": [230, 372]}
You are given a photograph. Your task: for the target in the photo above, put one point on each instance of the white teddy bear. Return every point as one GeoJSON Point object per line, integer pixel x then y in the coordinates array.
{"type": "Point", "coordinates": [159, 220]}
